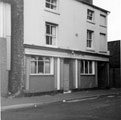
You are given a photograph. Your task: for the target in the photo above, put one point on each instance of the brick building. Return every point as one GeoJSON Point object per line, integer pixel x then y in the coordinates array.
{"type": "Point", "coordinates": [115, 63]}
{"type": "Point", "coordinates": [53, 47]}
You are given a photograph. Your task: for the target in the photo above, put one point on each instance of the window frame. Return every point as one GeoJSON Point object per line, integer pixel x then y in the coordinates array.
{"type": "Point", "coordinates": [90, 38]}
{"type": "Point", "coordinates": [87, 71]}
{"type": "Point", "coordinates": [52, 37]}
{"type": "Point", "coordinates": [89, 16]}
{"type": "Point", "coordinates": [52, 5]}
{"type": "Point", "coordinates": [36, 61]}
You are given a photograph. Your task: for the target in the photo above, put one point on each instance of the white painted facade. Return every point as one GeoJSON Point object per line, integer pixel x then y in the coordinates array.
{"type": "Point", "coordinates": [71, 18]}
{"type": "Point", "coordinates": [71, 45]}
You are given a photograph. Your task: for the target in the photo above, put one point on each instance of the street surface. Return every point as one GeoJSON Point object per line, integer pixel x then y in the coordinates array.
{"type": "Point", "coordinates": [102, 108]}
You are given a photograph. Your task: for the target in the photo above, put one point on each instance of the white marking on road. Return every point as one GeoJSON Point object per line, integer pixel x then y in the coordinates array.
{"type": "Point", "coordinates": [79, 100]}
{"type": "Point", "coordinates": [111, 96]}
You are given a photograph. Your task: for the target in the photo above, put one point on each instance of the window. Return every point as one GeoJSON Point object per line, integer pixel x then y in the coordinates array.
{"type": "Point", "coordinates": [51, 4]}
{"type": "Point", "coordinates": [90, 15]}
{"type": "Point", "coordinates": [103, 42]}
{"type": "Point", "coordinates": [87, 67]}
{"type": "Point", "coordinates": [41, 65]}
{"type": "Point", "coordinates": [102, 20]}
{"type": "Point", "coordinates": [89, 38]}
{"type": "Point", "coordinates": [51, 34]}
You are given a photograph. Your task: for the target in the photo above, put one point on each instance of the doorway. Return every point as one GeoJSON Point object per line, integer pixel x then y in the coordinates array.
{"type": "Point", "coordinates": [66, 74]}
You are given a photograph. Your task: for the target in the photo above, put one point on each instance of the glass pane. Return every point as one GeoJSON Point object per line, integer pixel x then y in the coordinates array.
{"type": "Point", "coordinates": [86, 66]}
{"type": "Point", "coordinates": [33, 67]}
{"type": "Point", "coordinates": [47, 40]}
{"type": "Point", "coordinates": [90, 66]}
{"type": "Point", "coordinates": [50, 40]}
{"type": "Point", "coordinates": [47, 67]}
{"type": "Point", "coordinates": [40, 67]}
{"type": "Point", "coordinates": [82, 67]}
{"type": "Point", "coordinates": [53, 29]}
{"type": "Point", "coordinates": [47, 5]}
{"type": "Point", "coordinates": [54, 41]}
{"type": "Point", "coordinates": [48, 29]}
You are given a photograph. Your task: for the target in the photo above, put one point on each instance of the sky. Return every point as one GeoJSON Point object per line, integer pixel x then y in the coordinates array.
{"type": "Point", "coordinates": [114, 18]}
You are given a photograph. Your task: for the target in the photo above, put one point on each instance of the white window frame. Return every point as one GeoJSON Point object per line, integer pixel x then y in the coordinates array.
{"type": "Point", "coordinates": [52, 36]}
{"type": "Point", "coordinates": [90, 15]}
{"type": "Point", "coordinates": [51, 60]}
{"type": "Point", "coordinates": [90, 38]}
{"type": "Point", "coordinates": [88, 67]}
{"type": "Point", "coordinates": [51, 4]}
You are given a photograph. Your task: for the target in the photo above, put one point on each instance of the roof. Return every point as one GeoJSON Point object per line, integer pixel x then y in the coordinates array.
{"type": "Point", "coordinates": [94, 6]}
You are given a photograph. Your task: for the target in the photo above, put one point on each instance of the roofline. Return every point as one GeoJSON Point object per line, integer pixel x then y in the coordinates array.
{"type": "Point", "coordinates": [94, 6]}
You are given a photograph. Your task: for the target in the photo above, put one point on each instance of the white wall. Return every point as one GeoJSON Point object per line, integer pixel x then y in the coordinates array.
{"type": "Point", "coordinates": [71, 19]}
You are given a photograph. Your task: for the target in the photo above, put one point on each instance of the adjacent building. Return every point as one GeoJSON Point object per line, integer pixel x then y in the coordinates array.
{"type": "Point", "coordinates": [115, 63]}
{"type": "Point", "coordinates": [57, 45]}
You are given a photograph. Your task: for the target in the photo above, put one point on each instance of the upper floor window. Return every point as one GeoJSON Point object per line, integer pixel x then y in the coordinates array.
{"type": "Point", "coordinates": [90, 15]}
{"type": "Point", "coordinates": [51, 34]}
{"type": "Point", "coordinates": [103, 42]}
{"type": "Point", "coordinates": [51, 4]}
{"type": "Point", "coordinates": [90, 38]}
{"type": "Point", "coordinates": [102, 20]}
{"type": "Point", "coordinates": [87, 67]}
{"type": "Point", "coordinates": [41, 65]}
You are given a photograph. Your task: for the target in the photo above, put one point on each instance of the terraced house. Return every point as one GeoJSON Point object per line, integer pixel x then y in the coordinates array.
{"type": "Point", "coordinates": [55, 45]}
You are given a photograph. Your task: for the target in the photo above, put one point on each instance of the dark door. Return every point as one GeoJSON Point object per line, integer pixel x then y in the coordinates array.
{"type": "Point", "coordinates": [102, 75]}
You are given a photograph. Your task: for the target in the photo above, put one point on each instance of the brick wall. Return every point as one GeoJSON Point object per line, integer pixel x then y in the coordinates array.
{"type": "Point", "coordinates": [114, 48]}
{"type": "Point", "coordinates": [17, 49]}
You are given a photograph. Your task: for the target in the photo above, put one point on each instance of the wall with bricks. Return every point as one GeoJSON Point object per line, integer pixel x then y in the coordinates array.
{"type": "Point", "coordinates": [17, 50]}
{"type": "Point", "coordinates": [115, 63]}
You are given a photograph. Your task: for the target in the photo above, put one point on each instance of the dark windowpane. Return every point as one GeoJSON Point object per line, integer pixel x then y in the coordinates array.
{"type": "Point", "coordinates": [40, 67]}
{"type": "Point", "coordinates": [48, 29]}
{"type": "Point", "coordinates": [82, 67]}
{"type": "Point", "coordinates": [47, 5]}
{"type": "Point", "coordinates": [90, 66]}
{"type": "Point", "coordinates": [47, 40]}
{"type": "Point", "coordinates": [86, 66]}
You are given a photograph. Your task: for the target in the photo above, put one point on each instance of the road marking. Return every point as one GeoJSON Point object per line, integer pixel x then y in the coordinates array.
{"type": "Point", "coordinates": [79, 100]}
{"type": "Point", "coordinates": [110, 96]}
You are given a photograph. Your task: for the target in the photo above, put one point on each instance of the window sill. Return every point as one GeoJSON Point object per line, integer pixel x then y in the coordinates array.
{"type": "Point", "coordinates": [87, 74]}
{"type": "Point", "coordinates": [51, 46]}
{"type": "Point", "coordinates": [103, 52]}
{"type": "Point", "coordinates": [103, 26]}
{"type": "Point", "coordinates": [41, 74]}
{"type": "Point", "coordinates": [90, 21]}
{"type": "Point", "coordinates": [52, 11]}
{"type": "Point", "coordinates": [90, 49]}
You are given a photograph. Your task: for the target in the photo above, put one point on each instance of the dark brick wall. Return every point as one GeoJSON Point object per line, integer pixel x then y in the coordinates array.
{"type": "Point", "coordinates": [114, 48]}
{"type": "Point", "coordinates": [114, 60]}
{"type": "Point", "coordinates": [17, 49]}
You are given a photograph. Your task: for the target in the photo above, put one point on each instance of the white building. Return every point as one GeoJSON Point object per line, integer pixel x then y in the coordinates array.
{"type": "Point", "coordinates": [65, 45]}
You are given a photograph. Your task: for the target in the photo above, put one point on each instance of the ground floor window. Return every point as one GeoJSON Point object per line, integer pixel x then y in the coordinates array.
{"type": "Point", "coordinates": [41, 65]}
{"type": "Point", "coordinates": [87, 67]}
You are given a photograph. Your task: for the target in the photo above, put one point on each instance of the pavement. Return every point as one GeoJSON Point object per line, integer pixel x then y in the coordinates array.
{"type": "Point", "coordinates": [35, 101]}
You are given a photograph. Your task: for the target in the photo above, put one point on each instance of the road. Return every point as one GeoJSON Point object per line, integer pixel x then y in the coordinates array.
{"type": "Point", "coordinates": [102, 108]}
